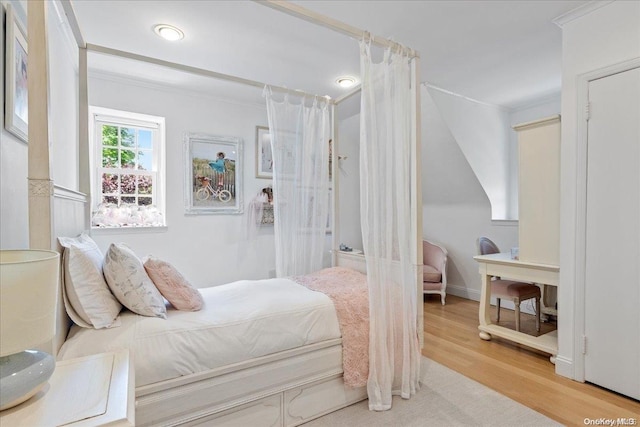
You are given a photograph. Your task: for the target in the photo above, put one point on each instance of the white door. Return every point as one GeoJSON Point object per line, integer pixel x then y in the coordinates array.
{"type": "Point", "coordinates": [612, 276]}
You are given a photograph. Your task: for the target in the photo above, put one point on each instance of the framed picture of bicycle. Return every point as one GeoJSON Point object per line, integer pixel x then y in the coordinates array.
{"type": "Point", "coordinates": [213, 178]}
{"type": "Point", "coordinates": [264, 156]}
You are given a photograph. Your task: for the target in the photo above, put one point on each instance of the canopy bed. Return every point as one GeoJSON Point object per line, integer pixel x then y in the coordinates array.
{"type": "Point", "coordinates": [292, 384]}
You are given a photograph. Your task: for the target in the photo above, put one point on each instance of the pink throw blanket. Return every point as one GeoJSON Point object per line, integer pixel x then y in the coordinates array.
{"type": "Point", "coordinates": [350, 295]}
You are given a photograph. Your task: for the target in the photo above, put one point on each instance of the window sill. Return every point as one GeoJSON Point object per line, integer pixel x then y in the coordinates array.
{"type": "Point", "coordinates": [127, 230]}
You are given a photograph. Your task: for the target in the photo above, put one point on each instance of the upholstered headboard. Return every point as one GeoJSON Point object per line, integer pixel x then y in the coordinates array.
{"type": "Point", "coordinates": [68, 220]}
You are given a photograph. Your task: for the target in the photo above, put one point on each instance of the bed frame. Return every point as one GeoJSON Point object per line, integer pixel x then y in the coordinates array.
{"type": "Point", "coordinates": [285, 389]}
{"type": "Point", "coordinates": [282, 389]}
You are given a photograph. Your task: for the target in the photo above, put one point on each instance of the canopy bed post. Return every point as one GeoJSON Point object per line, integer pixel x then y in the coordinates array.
{"type": "Point", "coordinates": [41, 234]}
{"type": "Point", "coordinates": [189, 69]}
{"type": "Point", "coordinates": [53, 210]}
{"type": "Point", "coordinates": [407, 268]}
{"type": "Point", "coordinates": [305, 14]}
{"type": "Point", "coordinates": [416, 191]}
{"type": "Point", "coordinates": [192, 389]}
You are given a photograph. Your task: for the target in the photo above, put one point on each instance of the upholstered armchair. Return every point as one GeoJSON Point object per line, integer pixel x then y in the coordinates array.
{"type": "Point", "coordinates": [434, 276]}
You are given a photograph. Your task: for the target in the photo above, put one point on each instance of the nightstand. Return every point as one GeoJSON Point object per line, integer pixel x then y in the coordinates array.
{"type": "Point", "coordinates": [353, 259]}
{"type": "Point", "coordinates": [87, 391]}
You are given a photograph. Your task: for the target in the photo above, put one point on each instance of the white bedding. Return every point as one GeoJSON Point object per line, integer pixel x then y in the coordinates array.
{"type": "Point", "coordinates": [239, 321]}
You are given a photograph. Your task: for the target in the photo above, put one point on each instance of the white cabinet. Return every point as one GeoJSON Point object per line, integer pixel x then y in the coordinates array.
{"type": "Point", "coordinates": [539, 191]}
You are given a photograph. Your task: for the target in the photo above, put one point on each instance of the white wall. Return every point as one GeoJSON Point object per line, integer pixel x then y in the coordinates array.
{"type": "Point", "coordinates": [14, 227]}
{"type": "Point", "coordinates": [545, 108]}
{"type": "Point", "coordinates": [606, 36]}
{"type": "Point", "coordinates": [63, 98]}
{"type": "Point", "coordinates": [482, 132]}
{"type": "Point", "coordinates": [14, 224]}
{"type": "Point", "coordinates": [486, 137]}
{"type": "Point", "coordinates": [456, 210]}
{"type": "Point", "coordinates": [206, 249]}
{"type": "Point", "coordinates": [349, 182]}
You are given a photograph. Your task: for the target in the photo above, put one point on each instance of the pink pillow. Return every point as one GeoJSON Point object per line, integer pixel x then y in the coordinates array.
{"type": "Point", "coordinates": [172, 285]}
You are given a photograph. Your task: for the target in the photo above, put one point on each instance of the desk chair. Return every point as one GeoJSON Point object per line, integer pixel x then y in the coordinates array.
{"type": "Point", "coordinates": [509, 289]}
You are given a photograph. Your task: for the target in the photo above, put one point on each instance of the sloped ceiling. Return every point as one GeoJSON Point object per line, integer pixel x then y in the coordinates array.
{"type": "Point", "coordinates": [447, 177]}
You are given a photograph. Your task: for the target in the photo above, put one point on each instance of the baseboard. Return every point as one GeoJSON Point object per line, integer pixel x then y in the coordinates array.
{"type": "Point", "coordinates": [474, 295]}
{"type": "Point", "coordinates": [564, 367]}
{"type": "Point", "coordinates": [463, 292]}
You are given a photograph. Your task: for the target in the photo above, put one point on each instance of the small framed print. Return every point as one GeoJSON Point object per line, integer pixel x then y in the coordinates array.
{"type": "Point", "coordinates": [16, 107]}
{"type": "Point", "coordinates": [264, 155]}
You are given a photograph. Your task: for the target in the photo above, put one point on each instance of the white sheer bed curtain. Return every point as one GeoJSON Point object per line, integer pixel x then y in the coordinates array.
{"type": "Point", "coordinates": [385, 184]}
{"type": "Point", "coordinates": [300, 143]}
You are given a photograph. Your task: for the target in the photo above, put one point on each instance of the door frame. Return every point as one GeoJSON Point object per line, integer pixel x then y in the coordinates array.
{"type": "Point", "coordinates": [581, 205]}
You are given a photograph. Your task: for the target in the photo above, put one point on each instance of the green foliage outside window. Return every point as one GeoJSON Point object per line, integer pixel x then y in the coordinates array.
{"type": "Point", "coordinates": [114, 156]}
{"type": "Point", "coordinates": [110, 155]}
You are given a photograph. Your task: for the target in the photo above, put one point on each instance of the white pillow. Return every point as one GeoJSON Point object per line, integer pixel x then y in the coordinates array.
{"type": "Point", "coordinates": [130, 283]}
{"type": "Point", "coordinates": [88, 300]}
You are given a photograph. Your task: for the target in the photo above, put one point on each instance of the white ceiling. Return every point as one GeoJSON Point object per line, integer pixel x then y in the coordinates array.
{"type": "Point", "coordinates": [501, 52]}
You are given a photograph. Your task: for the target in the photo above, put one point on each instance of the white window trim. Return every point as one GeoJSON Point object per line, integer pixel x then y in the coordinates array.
{"type": "Point", "coordinates": [159, 159]}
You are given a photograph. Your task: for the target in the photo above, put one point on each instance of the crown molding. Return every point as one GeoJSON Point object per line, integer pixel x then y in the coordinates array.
{"type": "Point", "coordinates": [580, 11]}
{"type": "Point", "coordinates": [554, 96]}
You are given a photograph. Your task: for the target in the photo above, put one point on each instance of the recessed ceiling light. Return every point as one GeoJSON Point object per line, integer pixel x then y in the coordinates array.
{"type": "Point", "coordinates": [168, 32]}
{"type": "Point", "coordinates": [345, 81]}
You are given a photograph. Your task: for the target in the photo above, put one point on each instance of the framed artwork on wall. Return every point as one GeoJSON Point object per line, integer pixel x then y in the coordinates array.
{"type": "Point", "coordinates": [16, 107]}
{"type": "Point", "coordinates": [213, 179]}
{"type": "Point", "coordinates": [264, 156]}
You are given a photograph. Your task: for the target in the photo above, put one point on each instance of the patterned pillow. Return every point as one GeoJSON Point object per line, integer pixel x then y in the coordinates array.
{"type": "Point", "coordinates": [87, 298]}
{"type": "Point", "coordinates": [130, 283]}
{"type": "Point", "coordinates": [172, 285]}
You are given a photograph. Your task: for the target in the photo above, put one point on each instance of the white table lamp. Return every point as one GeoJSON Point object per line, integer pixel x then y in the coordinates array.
{"type": "Point", "coordinates": [28, 298]}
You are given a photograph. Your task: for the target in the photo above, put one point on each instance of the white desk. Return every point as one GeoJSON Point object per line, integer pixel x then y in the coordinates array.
{"type": "Point", "coordinates": [502, 265]}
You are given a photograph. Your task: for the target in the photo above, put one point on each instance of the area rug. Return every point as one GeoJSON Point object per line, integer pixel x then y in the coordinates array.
{"type": "Point", "coordinates": [446, 398]}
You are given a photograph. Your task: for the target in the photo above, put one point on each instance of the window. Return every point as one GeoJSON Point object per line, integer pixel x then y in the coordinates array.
{"type": "Point", "coordinates": [128, 160]}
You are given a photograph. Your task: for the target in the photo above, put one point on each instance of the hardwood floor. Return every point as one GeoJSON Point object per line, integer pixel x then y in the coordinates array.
{"type": "Point", "coordinates": [525, 375]}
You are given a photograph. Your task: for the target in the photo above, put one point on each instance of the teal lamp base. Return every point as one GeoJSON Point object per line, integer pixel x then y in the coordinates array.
{"type": "Point", "coordinates": [22, 375]}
